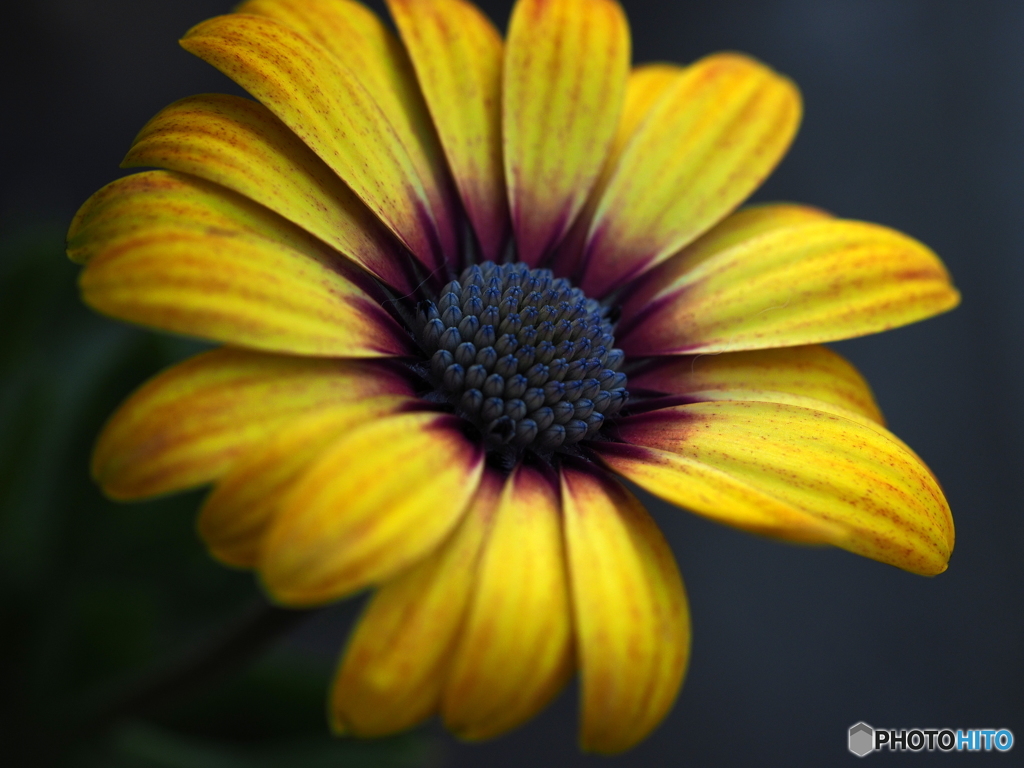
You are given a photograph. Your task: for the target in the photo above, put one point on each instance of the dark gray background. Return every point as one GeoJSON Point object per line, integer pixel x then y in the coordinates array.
{"type": "Point", "coordinates": [914, 111]}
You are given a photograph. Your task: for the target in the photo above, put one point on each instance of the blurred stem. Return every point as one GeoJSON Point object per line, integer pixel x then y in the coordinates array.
{"type": "Point", "coordinates": [214, 659]}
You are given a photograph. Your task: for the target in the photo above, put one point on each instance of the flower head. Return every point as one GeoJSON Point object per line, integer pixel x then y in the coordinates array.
{"type": "Point", "coordinates": [461, 283]}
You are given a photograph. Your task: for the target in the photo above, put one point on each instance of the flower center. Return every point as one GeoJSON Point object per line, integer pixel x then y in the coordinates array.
{"type": "Point", "coordinates": [524, 356]}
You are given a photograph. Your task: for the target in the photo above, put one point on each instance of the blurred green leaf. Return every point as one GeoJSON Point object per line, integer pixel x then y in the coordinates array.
{"type": "Point", "coordinates": [144, 746]}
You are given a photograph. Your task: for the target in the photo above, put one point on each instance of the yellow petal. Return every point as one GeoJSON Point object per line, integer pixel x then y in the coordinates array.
{"type": "Point", "coordinates": [239, 144]}
{"type": "Point", "coordinates": [377, 500]}
{"type": "Point", "coordinates": [151, 200]}
{"type": "Point", "coordinates": [821, 281]}
{"type": "Point", "coordinates": [811, 376]}
{"type": "Point", "coordinates": [709, 141]}
{"type": "Point", "coordinates": [566, 65]}
{"type": "Point", "coordinates": [246, 499]}
{"type": "Point", "coordinates": [331, 110]}
{"type": "Point", "coordinates": [457, 54]}
{"type": "Point", "coordinates": [190, 424]}
{"type": "Point", "coordinates": [632, 619]}
{"type": "Point", "coordinates": [362, 44]}
{"type": "Point", "coordinates": [745, 224]}
{"type": "Point", "coordinates": [180, 254]}
{"type": "Point", "coordinates": [646, 84]}
{"type": "Point", "coordinates": [394, 668]}
{"type": "Point", "coordinates": [515, 653]}
{"type": "Point", "coordinates": [791, 472]}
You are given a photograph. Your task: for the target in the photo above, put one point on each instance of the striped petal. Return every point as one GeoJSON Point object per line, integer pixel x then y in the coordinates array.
{"type": "Point", "coordinates": [795, 473]}
{"type": "Point", "coordinates": [394, 669]}
{"type": "Point", "coordinates": [183, 255]}
{"type": "Point", "coordinates": [515, 653]}
{"type": "Point", "coordinates": [811, 376]}
{"type": "Point", "coordinates": [363, 45]}
{"type": "Point", "coordinates": [332, 111]}
{"type": "Point", "coordinates": [746, 224]}
{"type": "Point", "coordinates": [457, 54]}
{"type": "Point", "coordinates": [631, 616]}
{"type": "Point", "coordinates": [646, 84]}
{"type": "Point", "coordinates": [239, 144]}
{"type": "Point", "coordinates": [566, 65]}
{"type": "Point", "coordinates": [820, 281]}
{"type": "Point", "coordinates": [375, 502]}
{"type": "Point", "coordinates": [708, 142]}
{"type": "Point", "coordinates": [245, 501]}
{"type": "Point", "coordinates": [193, 422]}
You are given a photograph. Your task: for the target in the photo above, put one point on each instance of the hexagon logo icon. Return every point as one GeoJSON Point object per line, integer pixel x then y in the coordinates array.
{"type": "Point", "coordinates": [862, 739]}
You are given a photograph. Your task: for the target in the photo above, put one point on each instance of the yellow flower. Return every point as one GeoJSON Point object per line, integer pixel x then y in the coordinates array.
{"type": "Point", "coordinates": [393, 409]}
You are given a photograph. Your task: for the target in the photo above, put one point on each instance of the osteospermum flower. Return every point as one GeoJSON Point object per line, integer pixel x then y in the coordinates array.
{"type": "Point", "coordinates": [462, 283]}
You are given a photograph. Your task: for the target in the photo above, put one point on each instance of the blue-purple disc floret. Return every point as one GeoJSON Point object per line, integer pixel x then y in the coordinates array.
{"type": "Point", "coordinates": [523, 355]}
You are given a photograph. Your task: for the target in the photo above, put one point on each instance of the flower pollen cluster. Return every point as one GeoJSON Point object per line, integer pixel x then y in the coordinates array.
{"type": "Point", "coordinates": [524, 356]}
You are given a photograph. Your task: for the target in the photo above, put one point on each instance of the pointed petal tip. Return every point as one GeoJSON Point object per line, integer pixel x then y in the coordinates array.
{"type": "Point", "coordinates": [113, 491]}
{"type": "Point", "coordinates": [954, 300]}
{"type": "Point", "coordinates": [120, 479]}
{"type": "Point", "coordinates": [196, 30]}
{"type": "Point", "coordinates": [780, 469]}
{"type": "Point", "coordinates": [856, 278]}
